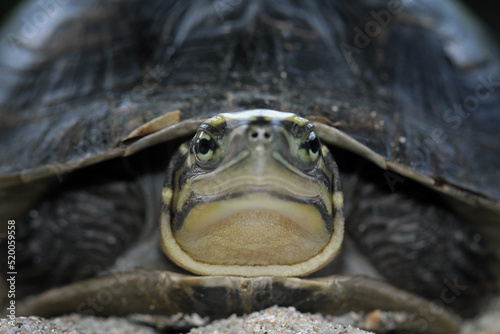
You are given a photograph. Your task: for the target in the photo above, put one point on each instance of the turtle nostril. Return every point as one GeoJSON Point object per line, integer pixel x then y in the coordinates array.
{"type": "Point", "coordinates": [260, 134]}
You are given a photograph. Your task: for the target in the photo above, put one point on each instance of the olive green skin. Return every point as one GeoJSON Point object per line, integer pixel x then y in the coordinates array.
{"type": "Point", "coordinates": [73, 91]}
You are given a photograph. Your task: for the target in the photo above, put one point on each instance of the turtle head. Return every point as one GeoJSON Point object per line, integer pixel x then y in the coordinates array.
{"type": "Point", "coordinates": [254, 193]}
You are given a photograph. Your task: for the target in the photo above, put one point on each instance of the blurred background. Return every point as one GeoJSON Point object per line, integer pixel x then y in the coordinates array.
{"type": "Point", "coordinates": [487, 10]}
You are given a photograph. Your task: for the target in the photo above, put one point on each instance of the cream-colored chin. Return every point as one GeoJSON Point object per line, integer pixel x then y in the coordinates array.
{"type": "Point", "coordinates": [256, 234]}
{"type": "Point", "coordinates": [252, 237]}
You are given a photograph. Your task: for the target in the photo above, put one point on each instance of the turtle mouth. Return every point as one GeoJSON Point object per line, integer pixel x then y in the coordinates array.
{"type": "Point", "coordinates": [253, 234]}
{"type": "Point", "coordinates": [255, 229]}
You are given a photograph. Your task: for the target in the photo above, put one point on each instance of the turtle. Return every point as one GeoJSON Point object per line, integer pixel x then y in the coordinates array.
{"type": "Point", "coordinates": [219, 157]}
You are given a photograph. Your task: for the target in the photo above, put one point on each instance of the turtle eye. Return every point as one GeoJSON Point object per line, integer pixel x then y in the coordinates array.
{"type": "Point", "coordinates": [310, 148]}
{"type": "Point", "coordinates": [205, 147]}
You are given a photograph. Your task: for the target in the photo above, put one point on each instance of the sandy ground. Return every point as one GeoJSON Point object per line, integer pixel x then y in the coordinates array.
{"type": "Point", "coordinates": [272, 320]}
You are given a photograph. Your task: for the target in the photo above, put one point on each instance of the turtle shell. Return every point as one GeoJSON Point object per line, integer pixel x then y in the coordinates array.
{"type": "Point", "coordinates": [411, 86]}
{"type": "Point", "coordinates": [415, 86]}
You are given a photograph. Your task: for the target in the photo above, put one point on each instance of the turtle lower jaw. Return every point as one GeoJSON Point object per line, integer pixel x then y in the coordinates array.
{"type": "Point", "coordinates": [253, 235]}
{"type": "Point", "coordinates": [255, 229]}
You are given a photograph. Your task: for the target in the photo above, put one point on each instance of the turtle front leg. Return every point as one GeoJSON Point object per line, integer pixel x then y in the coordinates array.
{"type": "Point", "coordinates": [77, 231]}
{"type": "Point", "coordinates": [420, 245]}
